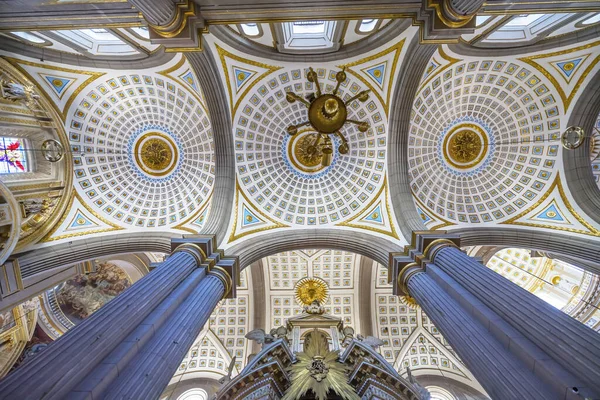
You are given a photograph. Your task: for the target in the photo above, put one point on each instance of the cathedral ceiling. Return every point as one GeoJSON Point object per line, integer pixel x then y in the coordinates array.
{"type": "Point", "coordinates": [277, 187]}
{"type": "Point", "coordinates": [484, 144]}
{"type": "Point", "coordinates": [142, 146]}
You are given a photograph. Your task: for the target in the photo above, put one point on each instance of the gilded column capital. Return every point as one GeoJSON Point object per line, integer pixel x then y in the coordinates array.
{"type": "Point", "coordinates": [225, 278]}
{"type": "Point", "coordinates": [455, 13]}
{"type": "Point", "coordinates": [432, 248]}
{"type": "Point", "coordinates": [407, 272]}
{"type": "Point", "coordinates": [192, 249]}
{"type": "Point", "coordinates": [176, 25]}
{"type": "Point", "coordinates": [423, 248]}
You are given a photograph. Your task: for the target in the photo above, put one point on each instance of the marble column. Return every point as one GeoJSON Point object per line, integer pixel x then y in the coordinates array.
{"type": "Point", "coordinates": [156, 12]}
{"type": "Point", "coordinates": [570, 344]}
{"type": "Point", "coordinates": [84, 361]}
{"type": "Point", "coordinates": [463, 7]}
{"type": "Point", "coordinates": [146, 376]}
{"type": "Point", "coordinates": [501, 374]}
{"type": "Point", "coordinates": [177, 25]}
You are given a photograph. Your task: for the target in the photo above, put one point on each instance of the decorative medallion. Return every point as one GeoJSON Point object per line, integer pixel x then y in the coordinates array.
{"type": "Point", "coordinates": [465, 145]}
{"type": "Point", "coordinates": [302, 152]}
{"type": "Point", "coordinates": [311, 289]}
{"type": "Point", "coordinates": [156, 154]}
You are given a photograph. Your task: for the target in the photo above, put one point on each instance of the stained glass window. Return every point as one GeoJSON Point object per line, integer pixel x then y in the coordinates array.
{"type": "Point", "coordinates": [13, 158]}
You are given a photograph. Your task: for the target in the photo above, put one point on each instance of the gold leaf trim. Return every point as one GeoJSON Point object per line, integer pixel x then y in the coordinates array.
{"type": "Point", "coordinates": [233, 237]}
{"type": "Point", "coordinates": [566, 99]}
{"type": "Point", "coordinates": [222, 55]}
{"type": "Point", "coordinates": [113, 227]}
{"type": "Point", "coordinates": [557, 183]}
{"type": "Point", "coordinates": [63, 113]}
{"type": "Point", "coordinates": [398, 49]}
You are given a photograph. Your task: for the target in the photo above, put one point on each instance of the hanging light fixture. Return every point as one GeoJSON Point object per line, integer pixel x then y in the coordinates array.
{"type": "Point", "coordinates": [327, 114]}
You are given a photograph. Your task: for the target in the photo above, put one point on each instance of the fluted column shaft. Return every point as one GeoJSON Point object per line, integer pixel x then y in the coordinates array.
{"type": "Point", "coordinates": [501, 374]}
{"type": "Point", "coordinates": [465, 7]}
{"type": "Point", "coordinates": [65, 362]}
{"type": "Point", "coordinates": [567, 341]}
{"type": "Point", "coordinates": [156, 12]}
{"type": "Point", "coordinates": [146, 376]}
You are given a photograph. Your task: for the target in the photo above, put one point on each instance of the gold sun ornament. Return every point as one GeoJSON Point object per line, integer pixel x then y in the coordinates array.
{"type": "Point", "coordinates": [311, 289]}
{"type": "Point", "coordinates": [327, 114]}
{"type": "Point", "coordinates": [409, 301]}
{"type": "Point", "coordinates": [317, 369]}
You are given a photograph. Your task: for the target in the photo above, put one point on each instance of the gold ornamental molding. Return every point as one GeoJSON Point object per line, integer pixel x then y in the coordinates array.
{"type": "Point", "coordinates": [16, 73]}
{"type": "Point", "coordinates": [183, 12]}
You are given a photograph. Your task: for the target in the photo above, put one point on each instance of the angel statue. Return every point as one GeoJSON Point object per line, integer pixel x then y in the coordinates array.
{"type": "Point", "coordinates": [348, 333]}
{"type": "Point", "coordinates": [279, 333]}
{"type": "Point", "coordinates": [423, 393]}
{"type": "Point", "coordinates": [17, 92]}
{"type": "Point", "coordinates": [370, 341]}
{"type": "Point", "coordinates": [227, 377]}
{"type": "Point", "coordinates": [260, 336]}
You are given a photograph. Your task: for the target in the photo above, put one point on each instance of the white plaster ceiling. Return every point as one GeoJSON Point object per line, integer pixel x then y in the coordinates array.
{"type": "Point", "coordinates": [520, 107]}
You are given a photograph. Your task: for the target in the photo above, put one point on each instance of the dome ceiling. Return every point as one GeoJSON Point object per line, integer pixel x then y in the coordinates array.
{"type": "Point", "coordinates": [472, 152]}
{"type": "Point", "coordinates": [278, 184]}
{"type": "Point", "coordinates": [146, 149]}
{"type": "Point", "coordinates": [142, 146]}
{"type": "Point", "coordinates": [484, 141]}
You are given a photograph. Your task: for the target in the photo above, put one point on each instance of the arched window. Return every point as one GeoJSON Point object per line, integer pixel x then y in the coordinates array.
{"type": "Point", "coordinates": [367, 25]}
{"type": "Point", "coordinates": [438, 393]}
{"type": "Point", "coordinates": [251, 29]}
{"type": "Point", "coordinates": [13, 158]}
{"type": "Point", "coordinates": [194, 394]}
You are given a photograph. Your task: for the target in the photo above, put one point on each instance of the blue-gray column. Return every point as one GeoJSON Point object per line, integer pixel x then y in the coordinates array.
{"type": "Point", "coordinates": [156, 12]}
{"type": "Point", "coordinates": [501, 374]}
{"type": "Point", "coordinates": [571, 345]}
{"type": "Point", "coordinates": [63, 365]}
{"type": "Point", "coordinates": [147, 375]}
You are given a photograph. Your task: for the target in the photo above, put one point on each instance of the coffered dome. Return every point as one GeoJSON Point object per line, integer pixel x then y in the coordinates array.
{"type": "Point", "coordinates": [143, 149]}
{"type": "Point", "coordinates": [483, 139]}
{"type": "Point", "coordinates": [275, 169]}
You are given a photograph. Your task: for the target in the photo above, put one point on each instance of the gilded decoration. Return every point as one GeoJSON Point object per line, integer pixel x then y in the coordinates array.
{"type": "Point", "coordinates": [44, 113]}
{"type": "Point", "coordinates": [465, 146]}
{"type": "Point", "coordinates": [317, 369]}
{"type": "Point", "coordinates": [303, 153]}
{"type": "Point", "coordinates": [311, 289]}
{"type": "Point", "coordinates": [156, 154]}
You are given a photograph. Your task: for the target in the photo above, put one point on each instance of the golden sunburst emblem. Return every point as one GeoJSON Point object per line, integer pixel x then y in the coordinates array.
{"type": "Point", "coordinates": [410, 302]}
{"type": "Point", "coordinates": [310, 289]}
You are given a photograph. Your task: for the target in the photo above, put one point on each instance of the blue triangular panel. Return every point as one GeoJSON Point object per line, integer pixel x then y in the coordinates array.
{"type": "Point", "coordinates": [377, 73]}
{"type": "Point", "coordinates": [249, 218]}
{"type": "Point", "coordinates": [58, 84]}
{"type": "Point", "coordinates": [375, 215]}
{"type": "Point", "coordinates": [241, 76]}
{"type": "Point", "coordinates": [80, 221]}
{"type": "Point", "coordinates": [567, 67]}
{"type": "Point", "coordinates": [426, 218]}
{"type": "Point", "coordinates": [551, 213]}
{"type": "Point", "coordinates": [188, 77]}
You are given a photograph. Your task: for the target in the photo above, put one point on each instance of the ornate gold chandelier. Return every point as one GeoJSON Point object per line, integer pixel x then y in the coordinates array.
{"type": "Point", "coordinates": [327, 114]}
